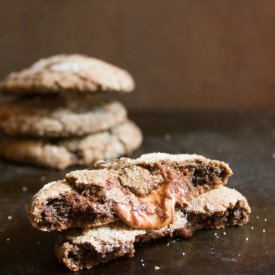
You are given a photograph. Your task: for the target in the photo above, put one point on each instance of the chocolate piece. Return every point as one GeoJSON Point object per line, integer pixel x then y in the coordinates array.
{"type": "Point", "coordinates": [216, 209]}
{"type": "Point", "coordinates": [142, 192]}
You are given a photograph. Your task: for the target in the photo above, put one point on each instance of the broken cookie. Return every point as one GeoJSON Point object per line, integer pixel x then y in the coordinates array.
{"type": "Point", "coordinates": [142, 192]}
{"type": "Point", "coordinates": [215, 209]}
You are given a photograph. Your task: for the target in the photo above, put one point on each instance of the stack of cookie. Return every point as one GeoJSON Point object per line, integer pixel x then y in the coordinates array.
{"type": "Point", "coordinates": [58, 118]}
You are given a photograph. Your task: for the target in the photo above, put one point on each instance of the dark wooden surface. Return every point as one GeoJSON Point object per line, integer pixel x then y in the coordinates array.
{"type": "Point", "coordinates": [246, 141]}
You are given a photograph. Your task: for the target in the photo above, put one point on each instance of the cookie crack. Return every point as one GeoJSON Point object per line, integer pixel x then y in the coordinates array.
{"type": "Point", "coordinates": [111, 132]}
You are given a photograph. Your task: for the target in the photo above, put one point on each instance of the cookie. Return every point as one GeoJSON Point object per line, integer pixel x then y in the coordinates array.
{"type": "Point", "coordinates": [126, 189]}
{"type": "Point", "coordinates": [61, 153]}
{"type": "Point", "coordinates": [85, 248]}
{"type": "Point", "coordinates": [68, 72]}
{"type": "Point", "coordinates": [58, 117]}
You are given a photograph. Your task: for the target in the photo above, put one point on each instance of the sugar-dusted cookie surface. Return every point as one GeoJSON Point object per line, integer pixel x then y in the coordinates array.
{"type": "Point", "coordinates": [55, 116]}
{"type": "Point", "coordinates": [68, 72]}
{"type": "Point", "coordinates": [61, 153]}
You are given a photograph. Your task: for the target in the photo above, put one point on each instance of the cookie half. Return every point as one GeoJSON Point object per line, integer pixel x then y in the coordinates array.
{"type": "Point", "coordinates": [119, 140]}
{"type": "Point", "coordinates": [142, 192]}
{"type": "Point", "coordinates": [58, 117]}
{"type": "Point", "coordinates": [216, 209]}
{"type": "Point", "coordinates": [74, 72]}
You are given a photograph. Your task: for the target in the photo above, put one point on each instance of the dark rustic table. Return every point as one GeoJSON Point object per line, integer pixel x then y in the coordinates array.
{"type": "Point", "coordinates": [245, 141]}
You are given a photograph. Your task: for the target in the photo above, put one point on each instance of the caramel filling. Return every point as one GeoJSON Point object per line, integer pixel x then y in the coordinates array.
{"type": "Point", "coordinates": [157, 209]}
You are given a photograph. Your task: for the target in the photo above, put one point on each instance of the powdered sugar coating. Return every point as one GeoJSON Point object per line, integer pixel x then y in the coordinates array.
{"type": "Point", "coordinates": [69, 72]}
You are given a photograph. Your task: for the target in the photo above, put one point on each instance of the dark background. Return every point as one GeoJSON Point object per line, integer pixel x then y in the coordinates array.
{"type": "Point", "coordinates": [215, 54]}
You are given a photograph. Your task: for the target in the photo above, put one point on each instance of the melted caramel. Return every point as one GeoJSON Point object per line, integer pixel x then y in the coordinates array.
{"type": "Point", "coordinates": [157, 209]}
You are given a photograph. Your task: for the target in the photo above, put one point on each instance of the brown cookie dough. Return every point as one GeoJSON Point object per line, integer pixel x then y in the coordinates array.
{"type": "Point", "coordinates": [68, 72]}
{"type": "Point", "coordinates": [61, 153]}
{"type": "Point", "coordinates": [216, 209]}
{"type": "Point", "coordinates": [59, 117]}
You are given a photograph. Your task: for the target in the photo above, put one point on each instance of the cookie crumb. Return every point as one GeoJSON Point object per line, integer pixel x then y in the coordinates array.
{"type": "Point", "coordinates": [239, 255]}
{"type": "Point", "coordinates": [24, 188]}
{"type": "Point", "coordinates": [167, 137]}
{"type": "Point", "coordinates": [216, 234]}
{"type": "Point", "coordinates": [224, 233]}
{"type": "Point", "coordinates": [257, 217]}
{"type": "Point", "coordinates": [168, 244]}
{"type": "Point", "coordinates": [263, 230]}
{"type": "Point", "coordinates": [265, 219]}
{"type": "Point", "coordinates": [8, 239]}
{"type": "Point", "coordinates": [252, 227]}
{"type": "Point", "coordinates": [143, 264]}
{"type": "Point", "coordinates": [183, 253]}
{"type": "Point", "coordinates": [141, 260]}
{"type": "Point", "coordinates": [157, 267]}
{"type": "Point", "coordinates": [273, 155]}
{"type": "Point", "coordinates": [246, 238]}
{"type": "Point", "coordinates": [43, 178]}
{"type": "Point", "coordinates": [38, 243]}
{"type": "Point", "coordinates": [10, 218]}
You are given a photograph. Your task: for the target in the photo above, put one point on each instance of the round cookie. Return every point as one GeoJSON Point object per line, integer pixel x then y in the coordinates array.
{"type": "Point", "coordinates": [119, 140]}
{"type": "Point", "coordinates": [59, 117]}
{"type": "Point", "coordinates": [63, 73]}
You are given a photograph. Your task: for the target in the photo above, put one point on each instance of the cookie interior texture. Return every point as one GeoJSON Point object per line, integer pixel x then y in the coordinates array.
{"type": "Point", "coordinates": [61, 153]}
{"type": "Point", "coordinates": [68, 73]}
{"type": "Point", "coordinates": [89, 198]}
{"type": "Point", "coordinates": [59, 116]}
{"type": "Point", "coordinates": [215, 209]}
